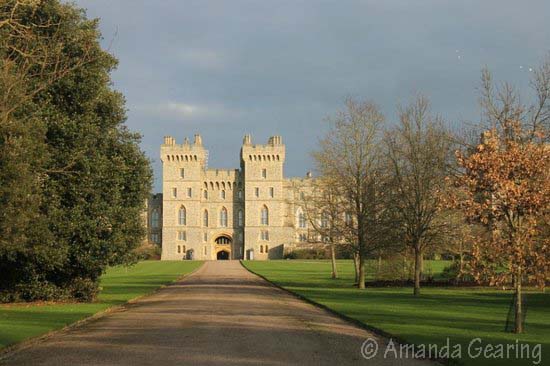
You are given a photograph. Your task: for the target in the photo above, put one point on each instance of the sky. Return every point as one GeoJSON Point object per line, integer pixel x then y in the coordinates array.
{"type": "Point", "coordinates": [227, 68]}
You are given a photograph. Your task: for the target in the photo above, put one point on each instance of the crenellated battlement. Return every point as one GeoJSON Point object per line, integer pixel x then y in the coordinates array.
{"type": "Point", "coordinates": [186, 152]}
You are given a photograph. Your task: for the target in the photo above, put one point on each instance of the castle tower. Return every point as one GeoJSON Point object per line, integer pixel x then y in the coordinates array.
{"type": "Point", "coordinates": [262, 171]}
{"type": "Point", "coordinates": [182, 168]}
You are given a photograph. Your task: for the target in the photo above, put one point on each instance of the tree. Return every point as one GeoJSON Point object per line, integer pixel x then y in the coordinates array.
{"type": "Point", "coordinates": [350, 156]}
{"type": "Point", "coordinates": [505, 186]}
{"type": "Point", "coordinates": [86, 175]}
{"type": "Point", "coordinates": [418, 153]}
{"type": "Point", "coordinates": [325, 213]}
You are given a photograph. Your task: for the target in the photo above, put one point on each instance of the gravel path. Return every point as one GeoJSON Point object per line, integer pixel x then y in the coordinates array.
{"type": "Point", "coordinates": [219, 315]}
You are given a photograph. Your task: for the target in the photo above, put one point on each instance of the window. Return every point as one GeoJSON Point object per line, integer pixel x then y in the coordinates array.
{"type": "Point", "coordinates": [223, 217]}
{"type": "Point", "coordinates": [264, 235]}
{"type": "Point", "coordinates": [205, 237]}
{"type": "Point", "coordinates": [205, 218]}
{"type": "Point", "coordinates": [205, 194]}
{"type": "Point", "coordinates": [189, 192]}
{"type": "Point", "coordinates": [240, 218]}
{"type": "Point", "coordinates": [302, 196]}
{"type": "Point", "coordinates": [261, 248]}
{"type": "Point", "coordinates": [324, 220]}
{"type": "Point", "coordinates": [205, 251]}
{"type": "Point", "coordinates": [265, 216]}
{"type": "Point", "coordinates": [155, 219]}
{"type": "Point", "coordinates": [182, 235]}
{"type": "Point", "coordinates": [271, 192]}
{"type": "Point", "coordinates": [222, 194]}
{"type": "Point", "coordinates": [302, 238]}
{"type": "Point", "coordinates": [174, 192]}
{"type": "Point", "coordinates": [302, 223]}
{"type": "Point", "coordinates": [155, 238]}
{"type": "Point", "coordinates": [182, 173]}
{"type": "Point", "coordinates": [267, 248]}
{"type": "Point", "coordinates": [240, 194]}
{"type": "Point", "coordinates": [179, 248]}
{"type": "Point", "coordinates": [347, 218]}
{"type": "Point", "coordinates": [182, 216]}
{"type": "Point", "coordinates": [257, 192]}
{"type": "Point", "coordinates": [264, 173]}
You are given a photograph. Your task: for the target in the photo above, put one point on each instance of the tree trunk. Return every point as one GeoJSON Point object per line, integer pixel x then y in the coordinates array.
{"type": "Point", "coordinates": [518, 328]}
{"type": "Point", "coordinates": [361, 284]}
{"type": "Point", "coordinates": [417, 269]}
{"type": "Point", "coordinates": [333, 259]}
{"type": "Point", "coordinates": [379, 269]}
{"type": "Point", "coordinates": [356, 267]}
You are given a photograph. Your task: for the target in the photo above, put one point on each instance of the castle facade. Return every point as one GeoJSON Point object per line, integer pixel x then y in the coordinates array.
{"type": "Point", "coordinates": [208, 214]}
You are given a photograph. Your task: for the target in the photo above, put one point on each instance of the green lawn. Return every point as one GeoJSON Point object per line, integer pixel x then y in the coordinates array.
{"type": "Point", "coordinates": [461, 314]}
{"type": "Point", "coordinates": [120, 284]}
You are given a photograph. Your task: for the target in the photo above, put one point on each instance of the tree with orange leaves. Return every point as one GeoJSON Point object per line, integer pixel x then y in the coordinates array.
{"type": "Point", "coordinates": [505, 187]}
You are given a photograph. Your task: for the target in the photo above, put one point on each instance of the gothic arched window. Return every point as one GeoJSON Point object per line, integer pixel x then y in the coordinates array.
{"type": "Point", "coordinates": [182, 216]}
{"type": "Point", "coordinates": [223, 217]}
{"type": "Point", "coordinates": [265, 216]}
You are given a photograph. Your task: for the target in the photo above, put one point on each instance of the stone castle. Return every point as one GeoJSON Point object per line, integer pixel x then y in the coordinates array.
{"type": "Point", "coordinates": [248, 213]}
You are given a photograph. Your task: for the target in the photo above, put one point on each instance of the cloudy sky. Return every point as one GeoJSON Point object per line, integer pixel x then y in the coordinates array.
{"type": "Point", "coordinates": [226, 68]}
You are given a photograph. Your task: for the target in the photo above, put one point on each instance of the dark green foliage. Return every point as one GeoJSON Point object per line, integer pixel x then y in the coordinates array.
{"type": "Point", "coordinates": [73, 179]}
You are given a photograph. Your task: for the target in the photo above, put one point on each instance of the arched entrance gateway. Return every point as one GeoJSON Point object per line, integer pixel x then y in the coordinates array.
{"type": "Point", "coordinates": [223, 247]}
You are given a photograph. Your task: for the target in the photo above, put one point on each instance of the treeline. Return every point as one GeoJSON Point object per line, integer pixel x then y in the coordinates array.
{"type": "Point", "coordinates": [481, 194]}
{"type": "Point", "coordinates": [73, 181]}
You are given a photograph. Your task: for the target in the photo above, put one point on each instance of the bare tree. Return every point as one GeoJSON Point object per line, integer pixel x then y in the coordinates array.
{"type": "Point", "coordinates": [349, 156]}
{"type": "Point", "coordinates": [418, 153]}
{"type": "Point", "coordinates": [325, 212]}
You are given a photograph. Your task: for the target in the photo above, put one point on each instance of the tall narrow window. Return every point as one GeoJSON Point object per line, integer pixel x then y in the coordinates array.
{"type": "Point", "coordinates": [179, 248]}
{"type": "Point", "coordinates": [182, 216]}
{"type": "Point", "coordinates": [324, 220]}
{"type": "Point", "coordinates": [189, 192]}
{"type": "Point", "coordinates": [205, 237]}
{"type": "Point", "coordinates": [174, 192]}
{"type": "Point", "coordinates": [240, 194]}
{"type": "Point", "coordinates": [257, 192]}
{"type": "Point", "coordinates": [222, 193]}
{"type": "Point", "coordinates": [205, 194]}
{"type": "Point", "coordinates": [261, 248]}
{"type": "Point", "coordinates": [271, 192]}
{"type": "Point", "coordinates": [240, 218]}
{"type": "Point", "coordinates": [182, 235]}
{"type": "Point", "coordinates": [223, 217]}
{"type": "Point", "coordinates": [205, 218]}
{"type": "Point", "coordinates": [265, 216]}
{"type": "Point", "coordinates": [264, 173]}
{"type": "Point", "coordinates": [301, 220]}
{"type": "Point", "coordinates": [155, 219]}
{"type": "Point", "coordinates": [182, 173]}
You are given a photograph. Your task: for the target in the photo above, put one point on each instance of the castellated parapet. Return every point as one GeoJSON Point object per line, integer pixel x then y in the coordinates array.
{"type": "Point", "coordinates": [245, 213]}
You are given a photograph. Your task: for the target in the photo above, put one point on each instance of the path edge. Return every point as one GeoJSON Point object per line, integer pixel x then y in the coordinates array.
{"type": "Point", "coordinates": [376, 331]}
{"type": "Point", "coordinates": [12, 349]}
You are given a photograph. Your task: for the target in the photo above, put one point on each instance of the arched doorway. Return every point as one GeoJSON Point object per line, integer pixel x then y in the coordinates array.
{"type": "Point", "coordinates": [222, 255]}
{"type": "Point", "coordinates": [223, 247]}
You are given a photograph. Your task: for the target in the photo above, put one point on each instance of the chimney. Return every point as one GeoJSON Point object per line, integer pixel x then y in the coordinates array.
{"type": "Point", "coordinates": [169, 140]}
{"type": "Point", "coordinates": [247, 140]}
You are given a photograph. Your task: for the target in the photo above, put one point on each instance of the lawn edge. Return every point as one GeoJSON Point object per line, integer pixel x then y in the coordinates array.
{"type": "Point", "coordinates": [376, 331]}
{"type": "Point", "coordinates": [14, 348]}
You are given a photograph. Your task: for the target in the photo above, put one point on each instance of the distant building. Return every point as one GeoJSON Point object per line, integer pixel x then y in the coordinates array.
{"type": "Point", "coordinates": [246, 213]}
